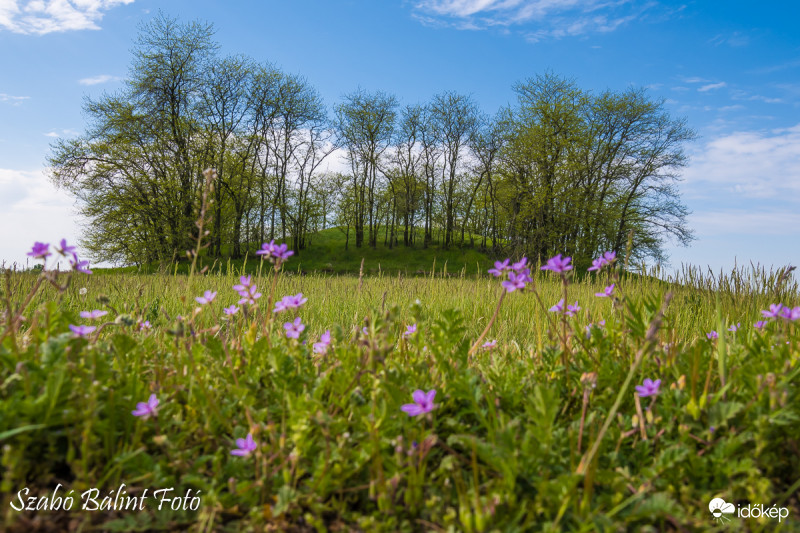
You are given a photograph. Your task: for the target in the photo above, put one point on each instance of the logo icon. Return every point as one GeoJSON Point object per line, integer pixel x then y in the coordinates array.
{"type": "Point", "coordinates": [719, 508]}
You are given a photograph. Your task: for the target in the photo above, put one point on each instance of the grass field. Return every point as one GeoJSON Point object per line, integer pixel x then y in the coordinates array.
{"type": "Point", "coordinates": [553, 428]}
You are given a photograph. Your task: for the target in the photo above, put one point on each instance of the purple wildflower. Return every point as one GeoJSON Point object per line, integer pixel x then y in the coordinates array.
{"type": "Point", "coordinates": [249, 295]}
{"type": "Point", "coordinates": [597, 264]}
{"type": "Point", "coordinates": [423, 403]}
{"type": "Point", "coordinates": [146, 410]}
{"type": "Point", "coordinates": [294, 329]}
{"type": "Point", "coordinates": [282, 252]}
{"type": "Point", "coordinates": [93, 314]}
{"type": "Point", "coordinates": [82, 331]}
{"type": "Point", "coordinates": [735, 328]}
{"type": "Point", "coordinates": [410, 330]}
{"type": "Point", "coordinates": [145, 325]}
{"type": "Point", "coordinates": [604, 260]}
{"type": "Point", "coordinates": [246, 281]}
{"type": "Point", "coordinates": [558, 308]}
{"type": "Point", "coordinates": [276, 253]}
{"type": "Point", "coordinates": [499, 268]}
{"type": "Point", "coordinates": [245, 446]}
{"type": "Point", "coordinates": [573, 309]}
{"type": "Point", "coordinates": [207, 298]}
{"type": "Point", "coordinates": [520, 265]}
{"type": "Point", "coordinates": [761, 324]}
{"type": "Point", "coordinates": [607, 292]}
{"type": "Point", "coordinates": [712, 335]}
{"type": "Point", "coordinates": [321, 347]}
{"type": "Point", "coordinates": [40, 250]}
{"type": "Point", "coordinates": [791, 314]}
{"type": "Point", "coordinates": [80, 266]}
{"type": "Point", "coordinates": [489, 345]}
{"type": "Point", "coordinates": [230, 311]}
{"type": "Point", "coordinates": [775, 311]}
{"type": "Point", "coordinates": [648, 388]}
{"type": "Point", "coordinates": [267, 249]}
{"type": "Point", "coordinates": [558, 264]}
{"type": "Point", "coordinates": [289, 302]}
{"type": "Point", "coordinates": [516, 280]}
{"type": "Point", "coordinates": [64, 249]}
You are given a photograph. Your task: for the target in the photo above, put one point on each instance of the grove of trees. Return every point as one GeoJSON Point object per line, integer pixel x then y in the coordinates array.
{"type": "Point", "coordinates": [561, 170]}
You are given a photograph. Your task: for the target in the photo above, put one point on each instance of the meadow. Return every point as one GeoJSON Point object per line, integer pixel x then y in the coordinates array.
{"type": "Point", "coordinates": [269, 399]}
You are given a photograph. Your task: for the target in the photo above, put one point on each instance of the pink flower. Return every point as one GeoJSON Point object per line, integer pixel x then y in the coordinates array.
{"type": "Point", "coordinates": [246, 281]}
{"type": "Point", "coordinates": [93, 314]}
{"type": "Point", "coordinates": [78, 265]}
{"type": "Point", "coordinates": [775, 311]}
{"type": "Point", "coordinates": [249, 295]}
{"type": "Point", "coordinates": [423, 403]}
{"type": "Point", "coordinates": [230, 311]}
{"type": "Point", "coordinates": [40, 250]}
{"type": "Point", "coordinates": [410, 330]}
{"type": "Point", "coordinates": [558, 264]}
{"type": "Point", "coordinates": [489, 345]}
{"type": "Point", "coordinates": [144, 325]}
{"type": "Point", "coordinates": [65, 249]}
{"type": "Point", "coordinates": [573, 309]}
{"type": "Point", "coordinates": [146, 410]}
{"type": "Point", "coordinates": [712, 335]}
{"type": "Point", "coordinates": [558, 308]}
{"type": "Point", "coordinates": [321, 347]}
{"type": "Point", "coordinates": [499, 268]}
{"type": "Point", "coordinates": [608, 291]}
{"type": "Point", "coordinates": [245, 446]}
{"type": "Point", "coordinates": [606, 259]}
{"type": "Point", "coordinates": [648, 388]}
{"type": "Point", "coordinates": [294, 329]}
{"type": "Point", "coordinates": [516, 280]}
{"type": "Point", "coordinates": [761, 324]}
{"type": "Point", "coordinates": [289, 302]}
{"type": "Point", "coordinates": [82, 331]}
{"type": "Point", "coordinates": [207, 298]}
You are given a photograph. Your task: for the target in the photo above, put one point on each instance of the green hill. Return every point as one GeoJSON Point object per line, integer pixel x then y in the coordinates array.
{"type": "Point", "coordinates": [326, 253]}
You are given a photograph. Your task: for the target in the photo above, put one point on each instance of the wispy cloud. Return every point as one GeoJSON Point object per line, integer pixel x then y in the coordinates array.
{"type": "Point", "coordinates": [39, 17]}
{"type": "Point", "coordinates": [736, 39]}
{"type": "Point", "coordinates": [749, 164]}
{"type": "Point", "coordinates": [536, 19]}
{"type": "Point", "coordinates": [744, 95]}
{"type": "Point", "coordinates": [712, 86]}
{"type": "Point", "coordinates": [48, 213]}
{"type": "Point", "coordinates": [745, 222]}
{"type": "Point", "coordinates": [96, 80]}
{"type": "Point", "coordinates": [13, 100]}
{"type": "Point", "coordinates": [64, 133]}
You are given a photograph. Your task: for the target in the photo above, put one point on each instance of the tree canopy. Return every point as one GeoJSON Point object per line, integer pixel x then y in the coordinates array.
{"type": "Point", "coordinates": [561, 170]}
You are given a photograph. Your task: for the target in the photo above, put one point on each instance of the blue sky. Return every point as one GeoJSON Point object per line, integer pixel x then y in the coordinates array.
{"type": "Point", "coordinates": [731, 68]}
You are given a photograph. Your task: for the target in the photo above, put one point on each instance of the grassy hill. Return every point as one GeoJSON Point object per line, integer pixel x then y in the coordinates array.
{"type": "Point", "coordinates": [327, 253]}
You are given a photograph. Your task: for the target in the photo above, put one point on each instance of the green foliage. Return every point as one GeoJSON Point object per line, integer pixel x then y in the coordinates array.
{"type": "Point", "coordinates": [499, 452]}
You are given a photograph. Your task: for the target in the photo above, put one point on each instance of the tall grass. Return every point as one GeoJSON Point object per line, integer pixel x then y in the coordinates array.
{"type": "Point", "coordinates": [542, 433]}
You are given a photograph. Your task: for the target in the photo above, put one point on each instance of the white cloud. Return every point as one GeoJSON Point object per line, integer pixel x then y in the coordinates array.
{"type": "Point", "coordinates": [751, 164]}
{"type": "Point", "coordinates": [95, 80]}
{"type": "Point", "coordinates": [39, 17]}
{"type": "Point", "coordinates": [712, 86]}
{"type": "Point", "coordinates": [745, 222]}
{"type": "Point", "coordinates": [13, 100]}
{"type": "Point", "coordinates": [64, 133]}
{"type": "Point", "coordinates": [36, 211]}
{"type": "Point", "coordinates": [549, 18]}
